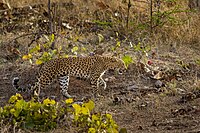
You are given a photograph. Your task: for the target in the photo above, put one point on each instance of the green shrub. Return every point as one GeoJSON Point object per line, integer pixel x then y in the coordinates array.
{"type": "Point", "coordinates": [49, 114]}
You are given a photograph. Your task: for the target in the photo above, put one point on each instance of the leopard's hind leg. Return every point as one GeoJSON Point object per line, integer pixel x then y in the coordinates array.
{"type": "Point", "coordinates": [40, 84]}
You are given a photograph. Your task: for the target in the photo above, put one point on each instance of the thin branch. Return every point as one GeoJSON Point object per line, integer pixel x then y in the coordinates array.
{"type": "Point", "coordinates": [151, 16]}
{"type": "Point", "coordinates": [24, 35]}
{"type": "Point", "coordinates": [128, 12]}
{"type": "Point", "coordinates": [50, 17]}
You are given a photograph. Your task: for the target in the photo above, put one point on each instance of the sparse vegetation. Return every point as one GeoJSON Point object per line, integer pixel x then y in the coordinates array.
{"type": "Point", "coordinates": [158, 40]}
{"type": "Point", "coordinates": [48, 115]}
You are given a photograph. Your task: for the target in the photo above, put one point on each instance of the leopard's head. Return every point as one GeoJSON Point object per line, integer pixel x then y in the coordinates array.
{"type": "Point", "coordinates": [116, 64]}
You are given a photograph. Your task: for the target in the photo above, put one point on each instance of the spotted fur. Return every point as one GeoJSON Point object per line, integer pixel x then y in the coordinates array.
{"type": "Point", "coordinates": [91, 67]}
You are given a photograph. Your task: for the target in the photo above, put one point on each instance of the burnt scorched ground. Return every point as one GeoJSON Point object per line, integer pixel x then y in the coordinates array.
{"type": "Point", "coordinates": [163, 99]}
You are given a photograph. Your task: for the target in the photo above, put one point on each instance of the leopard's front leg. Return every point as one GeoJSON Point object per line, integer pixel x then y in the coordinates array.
{"type": "Point", "coordinates": [96, 81]}
{"type": "Point", "coordinates": [101, 82]}
{"type": "Point", "coordinates": [64, 83]}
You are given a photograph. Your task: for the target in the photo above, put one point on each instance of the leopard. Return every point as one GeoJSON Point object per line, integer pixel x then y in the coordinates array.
{"type": "Point", "coordinates": [88, 67]}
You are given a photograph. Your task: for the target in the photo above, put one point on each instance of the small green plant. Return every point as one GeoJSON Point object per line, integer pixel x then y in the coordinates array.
{"type": "Point", "coordinates": [160, 17]}
{"type": "Point", "coordinates": [30, 115]}
{"type": "Point", "coordinates": [103, 23]}
{"type": "Point", "coordinates": [197, 62]}
{"type": "Point", "coordinates": [46, 115]}
{"type": "Point", "coordinates": [127, 60]}
{"type": "Point", "coordinates": [43, 53]}
{"type": "Point", "coordinates": [42, 57]}
{"type": "Point", "coordinates": [140, 48]}
{"type": "Point", "coordinates": [95, 122]}
{"type": "Point", "coordinates": [142, 52]}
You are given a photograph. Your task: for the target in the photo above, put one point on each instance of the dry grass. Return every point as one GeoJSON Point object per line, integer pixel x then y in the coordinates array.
{"type": "Point", "coordinates": [174, 42]}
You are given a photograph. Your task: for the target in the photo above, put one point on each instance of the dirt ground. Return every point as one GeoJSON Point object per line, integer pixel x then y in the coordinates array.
{"type": "Point", "coordinates": [164, 99]}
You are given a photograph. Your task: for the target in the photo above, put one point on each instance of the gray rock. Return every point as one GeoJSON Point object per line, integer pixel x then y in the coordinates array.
{"type": "Point", "coordinates": [132, 88]}
{"type": "Point", "coordinates": [159, 84]}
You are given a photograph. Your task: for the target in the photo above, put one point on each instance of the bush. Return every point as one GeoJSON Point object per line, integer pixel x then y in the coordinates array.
{"type": "Point", "coordinates": [49, 114]}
